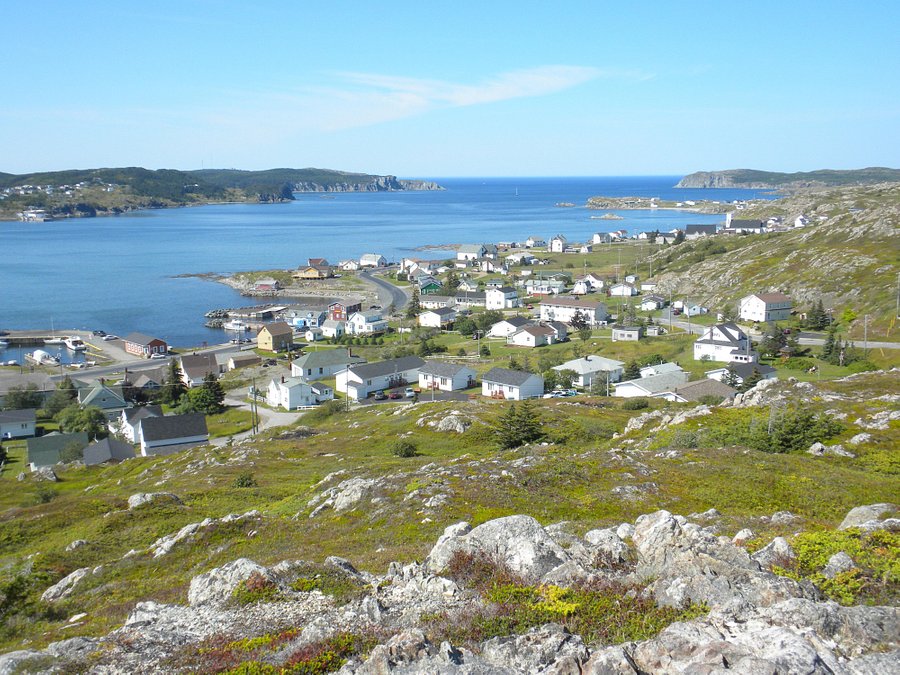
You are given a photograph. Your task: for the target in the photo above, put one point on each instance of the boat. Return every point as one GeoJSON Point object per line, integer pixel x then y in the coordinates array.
{"type": "Point", "coordinates": [75, 343]}
{"type": "Point", "coordinates": [55, 340]}
{"type": "Point", "coordinates": [3, 344]}
{"type": "Point", "coordinates": [42, 358]}
{"type": "Point", "coordinates": [236, 325]}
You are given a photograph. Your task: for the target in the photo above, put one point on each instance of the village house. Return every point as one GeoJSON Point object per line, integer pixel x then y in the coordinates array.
{"type": "Point", "coordinates": [45, 450]}
{"type": "Point", "coordinates": [520, 259]}
{"type": "Point", "coordinates": [367, 322]}
{"type": "Point", "coordinates": [623, 290]}
{"type": "Point", "coordinates": [489, 266]}
{"type": "Point", "coordinates": [532, 336]}
{"type": "Point", "coordinates": [333, 329]}
{"type": "Point", "coordinates": [660, 369]}
{"type": "Point", "coordinates": [147, 381]}
{"type": "Point", "coordinates": [601, 238]}
{"type": "Point", "coordinates": [445, 376]}
{"type": "Point", "coordinates": [243, 361]}
{"type": "Point", "coordinates": [535, 242]}
{"type": "Point", "coordinates": [724, 342]}
{"type": "Point", "coordinates": [144, 345]}
{"type": "Point", "coordinates": [693, 392]}
{"type": "Point", "coordinates": [275, 337]}
{"type": "Point", "coordinates": [109, 398]}
{"type": "Point", "coordinates": [266, 285]}
{"type": "Point", "coordinates": [196, 367]}
{"type": "Point", "coordinates": [631, 279]}
{"type": "Point", "coordinates": [504, 297]}
{"type": "Point", "coordinates": [442, 317]}
{"type": "Point", "coordinates": [165, 435]}
{"type": "Point", "coordinates": [314, 272]}
{"type": "Point", "coordinates": [470, 252]}
{"type": "Point", "coordinates": [651, 303]}
{"type": "Point", "coordinates": [742, 371]}
{"type": "Point", "coordinates": [467, 285]}
{"type": "Point", "coordinates": [508, 326]}
{"type": "Point", "coordinates": [697, 231]}
{"type": "Point", "coordinates": [558, 244]}
{"type": "Point", "coordinates": [372, 260]}
{"type": "Point", "coordinates": [581, 287]}
{"type": "Point", "coordinates": [348, 265]}
{"type": "Point", "coordinates": [127, 421]}
{"type": "Point", "coordinates": [428, 285]}
{"type": "Point", "coordinates": [323, 363]}
{"type": "Point", "coordinates": [341, 311]}
{"type": "Point", "coordinates": [107, 450]}
{"type": "Point", "coordinates": [361, 380]}
{"type": "Point", "coordinates": [765, 307]}
{"type": "Point", "coordinates": [564, 309]}
{"type": "Point", "coordinates": [591, 369]}
{"type": "Point", "coordinates": [534, 287]}
{"type": "Point", "coordinates": [466, 299]}
{"type": "Point", "coordinates": [292, 393]}
{"type": "Point", "coordinates": [655, 386]}
{"type": "Point", "coordinates": [744, 226]}
{"type": "Point", "coordinates": [17, 423]}
{"type": "Point", "coordinates": [313, 334]}
{"type": "Point", "coordinates": [648, 286]}
{"type": "Point", "coordinates": [627, 333]}
{"type": "Point", "coordinates": [511, 385]}
{"type": "Point", "coordinates": [437, 301]}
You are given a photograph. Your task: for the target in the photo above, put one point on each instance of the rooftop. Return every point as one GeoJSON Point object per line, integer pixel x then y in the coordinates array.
{"type": "Point", "coordinates": [506, 376]}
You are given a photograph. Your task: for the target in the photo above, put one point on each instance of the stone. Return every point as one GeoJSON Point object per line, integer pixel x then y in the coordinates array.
{"type": "Point", "coordinates": [838, 563]}
{"type": "Point", "coordinates": [607, 548]}
{"type": "Point", "coordinates": [838, 450]}
{"type": "Point", "coordinates": [517, 541]}
{"type": "Point", "coordinates": [817, 449]}
{"type": "Point", "coordinates": [21, 477]}
{"type": "Point", "coordinates": [64, 587]}
{"type": "Point", "coordinates": [78, 543]}
{"type": "Point", "coordinates": [783, 518]}
{"type": "Point", "coordinates": [142, 498]}
{"type": "Point", "coordinates": [215, 587]}
{"type": "Point", "coordinates": [455, 423]}
{"type": "Point", "coordinates": [45, 473]}
{"type": "Point", "coordinates": [860, 438]}
{"type": "Point", "coordinates": [776, 552]}
{"type": "Point", "coordinates": [863, 514]}
{"type": "Point", "coordinates": [742, 537]}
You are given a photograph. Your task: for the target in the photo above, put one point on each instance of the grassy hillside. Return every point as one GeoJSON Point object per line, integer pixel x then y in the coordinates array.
{"type": "Point", "coordinates": [848, 256]}
{"type": "Point", "coordinates": [581, 474]}
{"type": "Point", "coordinates": [752, 178]}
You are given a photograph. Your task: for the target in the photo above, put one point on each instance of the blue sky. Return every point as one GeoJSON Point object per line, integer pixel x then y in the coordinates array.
{"type": "Point", "coordinates": [422, 89]}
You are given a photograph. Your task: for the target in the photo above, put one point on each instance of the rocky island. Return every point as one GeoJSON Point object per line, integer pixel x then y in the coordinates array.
{"type": "Point", "coordinates": [763, 180]}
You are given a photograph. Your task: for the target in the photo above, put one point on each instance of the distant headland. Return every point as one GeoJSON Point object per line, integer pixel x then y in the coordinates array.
{"type": "Point", "coordinates": [97, 192]}
{"type": "Point", "coordinates": [761, 180]}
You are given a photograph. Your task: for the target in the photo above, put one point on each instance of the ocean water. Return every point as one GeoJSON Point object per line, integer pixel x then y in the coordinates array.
{"type": "Point", "coordinates": [120, 274]}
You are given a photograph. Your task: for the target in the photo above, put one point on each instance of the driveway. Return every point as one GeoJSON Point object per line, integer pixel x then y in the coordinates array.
{"type": "Point", "coordinates": [267, 419]}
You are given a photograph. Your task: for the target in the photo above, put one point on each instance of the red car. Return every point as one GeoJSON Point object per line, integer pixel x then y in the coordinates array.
{"type": "Point", "coordinates": [394, 395]}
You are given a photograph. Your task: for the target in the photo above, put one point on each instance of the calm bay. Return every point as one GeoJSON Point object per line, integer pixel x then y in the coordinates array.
{"type": "Point", "coordinates": [121, 273]}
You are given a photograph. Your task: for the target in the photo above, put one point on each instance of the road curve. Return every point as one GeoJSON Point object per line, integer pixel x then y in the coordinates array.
{"type": "Point", "coordinates": [388, 294]}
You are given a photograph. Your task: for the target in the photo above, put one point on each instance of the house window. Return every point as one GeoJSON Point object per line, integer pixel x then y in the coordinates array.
{"type": "Point", "coordinates": [443, 380]}
{"type": "Point", "coordinates": [320, 371]}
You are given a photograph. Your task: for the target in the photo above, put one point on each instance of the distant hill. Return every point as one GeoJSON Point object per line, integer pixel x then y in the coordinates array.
{"type": "Point", "coordinates": [754, 179]}
{"type": "Point", "coordinates": [88, 192]}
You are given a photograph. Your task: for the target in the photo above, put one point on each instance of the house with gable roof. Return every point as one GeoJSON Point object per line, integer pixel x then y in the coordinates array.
{"type": "Point", "coordinates": [445, 376]}
{"type": "Point", "coordinates": [172, 433]}
{"type": "Point", "coordinates": [765, 307]}
{"type": "Point", "coordinates": [360, 380]}
{"type": "Point", "coordinates": [511, 385]}
{"type": "Point", "coordinates": [323, 363]}
{"type": "Point", "coordinates": [724, 342]}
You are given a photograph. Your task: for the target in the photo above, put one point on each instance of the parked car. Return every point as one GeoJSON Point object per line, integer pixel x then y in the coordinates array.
{"type": "Point", "coordinates": [410, 392]}
{"type": "Point", "coordinates": [98, 333]}
{"type": "Point", "coordinates": [107, 338]}
{"type": "Point", "coordinates": [394, 395]}
{"type": "Point", "coordinates": [157, 355]}
{"type": "Point", "coordinates": [380, 396]}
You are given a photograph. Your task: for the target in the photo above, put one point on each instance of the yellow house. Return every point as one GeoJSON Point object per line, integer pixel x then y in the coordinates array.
{"type": "Point", "coordinates": [275, 337]}
{"type": "Point", "coordinates": [314, 272]}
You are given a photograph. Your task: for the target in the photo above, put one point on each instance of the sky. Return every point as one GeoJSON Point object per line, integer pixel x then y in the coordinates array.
{"type": "Point", "coordinates": [428, 89]}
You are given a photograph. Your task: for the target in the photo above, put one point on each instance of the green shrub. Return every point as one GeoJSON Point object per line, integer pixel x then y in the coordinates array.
{"type": "Point", "coordinates": [798, 363]}
{"type": "Point", "coordinates": [861, 366]}
{"type": "Point", "coordinates": [245, 480]}
{"type": "Point", "coordinates": [403, 447]}
{"type": "Point", "coordinates": [255, 588]}
{"type": "Point", "coordinates": [324, 411]}
{"type": "Point", "coordinates": [636, 403]}
{"type": "Point", "coordinates": [710, 399]}
{"type": "Point", "coordinates": [330, 581]}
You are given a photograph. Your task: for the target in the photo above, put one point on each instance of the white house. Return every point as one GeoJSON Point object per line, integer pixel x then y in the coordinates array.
{"type": "Point", "coordinates": [366, 322]}
{"type": "Point", "coordinates": [520, 259]}
{"type": "Point", "coordinates": [333, 329]}
{"type": "Point", "coordinates": [165, 435]}
{"type": "Point", "coordinates": [129, 420]}
{"type": "Point", "coordinates": [693, 309]}
{"type": "Point", "coordinates": [17, 423]}
{"type": "Point", "coordinates": [661, 369]}
{"type": "Point", "coordinates": [323, 363]}
{"type": "Point", "coordinates": [648, 286]}
{"type": "Point", "coordinates": [601, 238]}
{"type": "Point", "coordinates": [470, 252]}
{"type": "Point", "coordinates": [532, 336]}
{"type": "Point", "coordinates": [622, 290]}
{"type": "Point", "coordinates": [469, 285]}
{"type": "Point", "coordinates": [506, 327]}
{"type": "Point", "coordinates": [535, 242]}
{"type": "Point", "coordinates": [372, 260]}
{"type": "Point", "coordinates": [558, 244]}
{"type": "Point", "coordinates": [582, 287]}
{"type": "Point", "coordinates": [596, 282]}
{"type": "Point", "coordinates": [361, 380]}
{"type": "Point", "coordinates": [627, 333]}
{"type": "Point", "coordinates": [631, 279]}
{"type": "Point", "coordinates": [655, 386]}
{"type": "Point", "coordinates": [291, 393]}
{"type": "Point", "coordinates": [313, 334]}
{"type": "Point", "coordinates": [564, 309]}
{"type": "Point", "coordinates": [545, 286]}
{"type": "Point", "coordinates": [651, 303]}
{"type": "Point", "coordinates": [441, 317]}
{"type": "Point", "coordinates": [724, 342]}
{"type": "Point", "coordinates": [742, 371]}
{"type": "Point", "coordinates": [592, 369]}
{"type": "Point", "coordinates": [445, 376]}
{"type": "Point", "coordinates": [512, 385]}
{"type": "Point", "coordinates": [504, 297]}
{"type": "Point", "coordinates": [766, 307]}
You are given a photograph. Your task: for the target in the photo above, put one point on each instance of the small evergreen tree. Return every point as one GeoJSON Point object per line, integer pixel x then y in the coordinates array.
{"type": "Point", "coordinates": [517, 426]}
{"type": "Point", "coordinates": [415, 306]}
{"type": "Point", "coordinates": [632, 371]}
{"type": "Point", "coordinates": [62, 397]}
{"type": "Point", "coordinates": [751, 380]}
{"type": "Point", "coordinates": [829, 345]}
{"type": "Point", "coordinates": [22, 397]}
{"type": "Point", "coordinates": [173, 387]}
{"type": "Point", "coordinates": [730, 378]}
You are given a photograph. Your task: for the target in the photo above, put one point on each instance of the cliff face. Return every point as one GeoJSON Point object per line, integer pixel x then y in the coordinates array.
{"type": "Point", "coordinates": [761, 180]}
{"type": "Point", "coordinates": [377, 184]}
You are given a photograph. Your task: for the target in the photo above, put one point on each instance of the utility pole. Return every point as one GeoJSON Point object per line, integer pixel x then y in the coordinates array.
{"type": "Point", "coordinates": [866, 335]}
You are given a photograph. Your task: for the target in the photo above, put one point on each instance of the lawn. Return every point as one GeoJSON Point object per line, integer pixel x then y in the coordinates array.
{"type": "Point", "coordinates": [232, 421]}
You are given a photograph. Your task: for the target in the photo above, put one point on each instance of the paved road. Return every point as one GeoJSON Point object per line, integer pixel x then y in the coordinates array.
{"type": "Point", "coordinates": [388, 294]}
